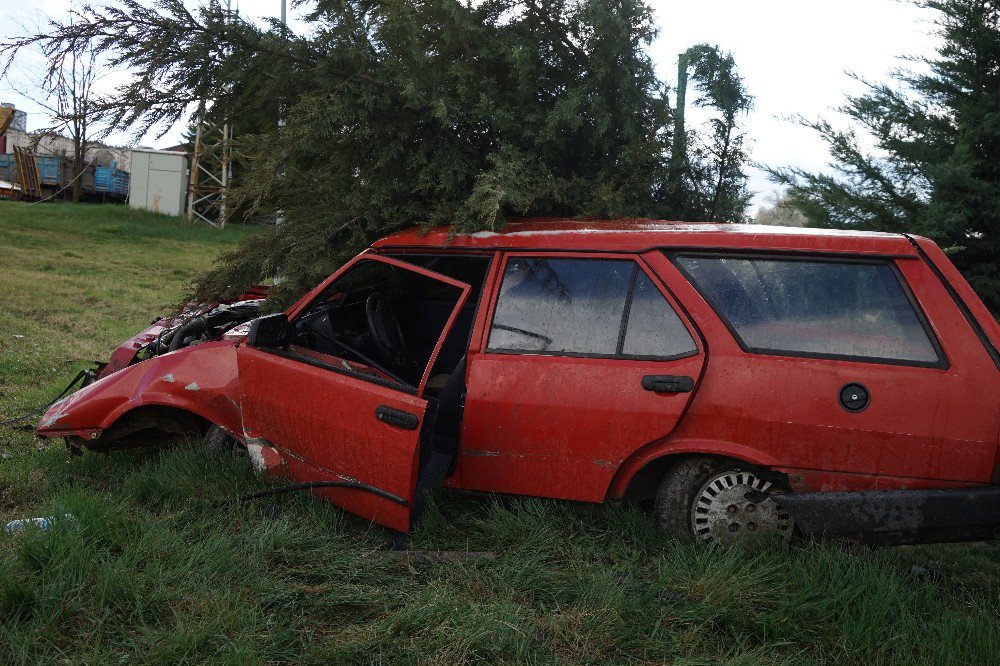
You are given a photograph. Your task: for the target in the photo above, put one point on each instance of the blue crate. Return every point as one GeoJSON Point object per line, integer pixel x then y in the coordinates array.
{"type": "Point", "coordinates": [6, 167]}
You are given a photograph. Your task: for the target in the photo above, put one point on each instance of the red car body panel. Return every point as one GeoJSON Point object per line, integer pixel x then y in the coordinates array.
{"type": "Point", "coordinates": [582, 428]}
{"type": "Point", "coordinates": [548, 446]}
{"type": "Point", "coordinates": [784, 408]}
{"type": "Point", "coordinates": [202, 380]}
{"type": "Point", "coordinates": [328, 431]}
{"type": "Point", "coordinates": [640, 235]}
{"type": "Point", "coordinates": [952, 278]}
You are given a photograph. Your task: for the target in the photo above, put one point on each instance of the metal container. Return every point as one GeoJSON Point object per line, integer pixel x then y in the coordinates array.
{"type": "Point", "coordinates": [158, 181]}
{"type": "Point", "coordinates": [7, 167]}
{"type": "Point", "coordinates": [111, 181]}
{"type": "Point", "coordinates": [50, 170]}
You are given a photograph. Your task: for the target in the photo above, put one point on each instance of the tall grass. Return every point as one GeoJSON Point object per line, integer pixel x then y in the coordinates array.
{"type": "Point", "coordinates": [152, 569]}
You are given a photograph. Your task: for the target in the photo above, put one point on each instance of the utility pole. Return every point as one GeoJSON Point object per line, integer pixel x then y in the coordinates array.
{"type": "Point", "coordinates": [678, 148]}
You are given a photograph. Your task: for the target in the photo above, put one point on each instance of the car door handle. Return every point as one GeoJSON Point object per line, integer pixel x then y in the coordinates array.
{"type": "Point", "coordinates": [668, 384]}
{"type": "Point", "coordinates": [397, 417]}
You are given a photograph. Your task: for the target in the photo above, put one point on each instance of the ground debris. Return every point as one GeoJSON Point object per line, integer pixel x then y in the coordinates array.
{"type": "Point", "coordinates": [925, 573]}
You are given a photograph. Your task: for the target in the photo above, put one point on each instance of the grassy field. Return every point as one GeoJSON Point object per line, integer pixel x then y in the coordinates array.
{"type": "Point", "coordinates": [150, 570]}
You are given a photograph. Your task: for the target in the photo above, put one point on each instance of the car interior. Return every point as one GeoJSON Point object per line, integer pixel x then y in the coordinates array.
{"type": "Point", "coordinates": [383, 320]}
{"type": "Point", "coordinates": [379, 317]}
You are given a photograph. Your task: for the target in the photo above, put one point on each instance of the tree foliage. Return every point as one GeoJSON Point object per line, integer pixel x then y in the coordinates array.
{"type": "Point", "coordinates": [781, 213]}
{"type": "Point", "coordinates": [710, 184]}
{"type": "Point", "coordinates": [416, 113]}
{"type": "Point", "coordinates": [934, 165]}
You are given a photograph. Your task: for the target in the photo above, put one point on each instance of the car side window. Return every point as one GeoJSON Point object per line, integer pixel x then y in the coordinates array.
{"type": "Point", "coordinates": [592, 307]}
{"type": "Point", "coordinates": [654, 329]}
{"type": "Point", "coordinates": [855, 310]}
{"type": "Point", "coordinates": [561, 305]}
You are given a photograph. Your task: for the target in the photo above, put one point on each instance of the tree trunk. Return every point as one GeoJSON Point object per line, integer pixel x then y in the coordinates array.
{"type": "Point", "coordinates": [76, 171]}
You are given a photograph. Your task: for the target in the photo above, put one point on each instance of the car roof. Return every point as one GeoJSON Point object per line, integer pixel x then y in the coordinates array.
{"type": "Point", "coordinates": [636, 235]}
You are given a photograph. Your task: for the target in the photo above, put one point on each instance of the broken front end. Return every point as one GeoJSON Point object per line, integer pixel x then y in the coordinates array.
{"type": "Point", "coordinates": [175, 378]}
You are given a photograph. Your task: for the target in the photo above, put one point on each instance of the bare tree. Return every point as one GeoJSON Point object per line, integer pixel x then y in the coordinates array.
{"type": "Point", "coordinates": [66, 92]}
{"type": "Point", "coordinates": [70, 89]}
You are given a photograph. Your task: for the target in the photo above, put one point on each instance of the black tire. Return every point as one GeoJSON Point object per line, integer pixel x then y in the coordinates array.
{"type": "Point", "coordinates": [704, 499]}
{"type": "Point", "coordinates": [220, 443]}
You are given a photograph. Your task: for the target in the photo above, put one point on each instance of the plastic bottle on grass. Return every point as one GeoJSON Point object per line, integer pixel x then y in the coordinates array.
{"type": "Point", "coordinates": [41, 523]}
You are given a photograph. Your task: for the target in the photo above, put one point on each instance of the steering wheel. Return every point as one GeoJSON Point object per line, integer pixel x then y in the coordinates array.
{"type": "Point", "coordinates": [387, 335]}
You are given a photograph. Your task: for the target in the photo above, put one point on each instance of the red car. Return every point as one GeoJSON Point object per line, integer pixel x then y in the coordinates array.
{"type": "Point", "coordinates": [739, 379]}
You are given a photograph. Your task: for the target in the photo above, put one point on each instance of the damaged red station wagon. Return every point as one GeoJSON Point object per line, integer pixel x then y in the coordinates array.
{"type": "Point", "coordinates": [739, 379]}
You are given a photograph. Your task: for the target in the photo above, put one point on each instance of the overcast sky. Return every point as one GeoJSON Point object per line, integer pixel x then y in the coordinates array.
{"type": "Point", "coordinates": [793, 54]}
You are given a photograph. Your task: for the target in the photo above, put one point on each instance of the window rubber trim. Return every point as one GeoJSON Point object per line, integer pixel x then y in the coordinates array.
{"type": "Point", "coordinates": [941, 364]}
{"type": "Point", "coordinates": [608, 357]}
{"type": "Point", "coordinates": [623, 328]}
{"type": "Point", "coordinates": [977, 328]}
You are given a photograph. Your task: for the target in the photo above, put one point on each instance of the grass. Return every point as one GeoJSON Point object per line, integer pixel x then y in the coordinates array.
{"type": "Point", "coordinates": [151, 570]}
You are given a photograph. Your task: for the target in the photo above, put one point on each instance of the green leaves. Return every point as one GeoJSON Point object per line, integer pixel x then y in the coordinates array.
{"type": "Point", "coordinates": [935, 131]}
{"type": "Point", "coordinates": [421, 113]}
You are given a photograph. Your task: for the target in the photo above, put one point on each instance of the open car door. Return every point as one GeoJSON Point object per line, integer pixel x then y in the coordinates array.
{"type": "Point", "coordinates": [341, 397]}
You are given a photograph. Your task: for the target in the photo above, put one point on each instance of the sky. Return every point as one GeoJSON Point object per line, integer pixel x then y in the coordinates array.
{"type": "Point", "coordinates": [794, 56]}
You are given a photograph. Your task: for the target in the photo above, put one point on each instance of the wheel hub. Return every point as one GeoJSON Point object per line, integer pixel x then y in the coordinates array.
{"type": "Point", "coordinates": [730, 506]}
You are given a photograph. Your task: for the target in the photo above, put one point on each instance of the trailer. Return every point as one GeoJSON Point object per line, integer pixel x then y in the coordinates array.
{"type": "Point", "coordinates": [52, 176]}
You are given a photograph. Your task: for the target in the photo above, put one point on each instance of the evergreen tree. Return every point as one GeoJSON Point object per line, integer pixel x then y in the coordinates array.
{"type": "Point", "coordinates": [935, 166]}
{"type": "Point", "coordinates": [707, 181]}
{"type": "Point", "coordinates": [402, 113]}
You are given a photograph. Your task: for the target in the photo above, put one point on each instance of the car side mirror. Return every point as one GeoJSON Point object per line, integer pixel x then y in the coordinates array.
{"type": "Point", "coordinates": [269, 331]}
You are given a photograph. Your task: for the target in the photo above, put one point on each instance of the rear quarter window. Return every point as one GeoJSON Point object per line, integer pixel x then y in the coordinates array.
{"type": "Point", "coordinates": [824, 308]}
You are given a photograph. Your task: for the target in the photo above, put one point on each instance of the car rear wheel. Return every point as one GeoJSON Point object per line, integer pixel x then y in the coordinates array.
{"type": "Point", "coordinates": [716, 501]}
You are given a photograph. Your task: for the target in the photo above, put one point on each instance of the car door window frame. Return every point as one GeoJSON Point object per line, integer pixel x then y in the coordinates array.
{"type": "Point", "coordinates": [485, 291]}
{"type": "Point", "coordinates": [638, 264]}
{"type": "Point", "coordinates": [318, 359]}
{"type": "Point", "coordinates": [942, 362]}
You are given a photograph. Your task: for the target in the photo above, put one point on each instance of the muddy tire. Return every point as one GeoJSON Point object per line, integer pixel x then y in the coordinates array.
{"type": "Point", "coordinates": [219, 443]}
{"type": "Point", "coordinates": [717, 501]}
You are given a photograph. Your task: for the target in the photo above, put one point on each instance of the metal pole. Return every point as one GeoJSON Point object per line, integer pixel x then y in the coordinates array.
{"type": "Point", "coordinates": [195, 158]}
{"type": "Point", "coordinates": [226, 147]}
{"type": "Point", "coordinates": [679, 147]}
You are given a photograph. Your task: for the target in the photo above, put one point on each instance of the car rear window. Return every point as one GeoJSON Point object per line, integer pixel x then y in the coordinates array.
{"type": "Point", "coordinates": [594, 307]}
{"type": "Point", "coordinates": [823, 308]}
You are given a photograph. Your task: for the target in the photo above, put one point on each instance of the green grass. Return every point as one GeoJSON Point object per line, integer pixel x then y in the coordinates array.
{"type": "Point", "coordinates": [151, 570]}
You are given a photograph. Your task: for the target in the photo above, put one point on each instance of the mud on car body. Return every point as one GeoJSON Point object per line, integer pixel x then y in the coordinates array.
{"type": "Point", "coordinates": [736, 379]}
